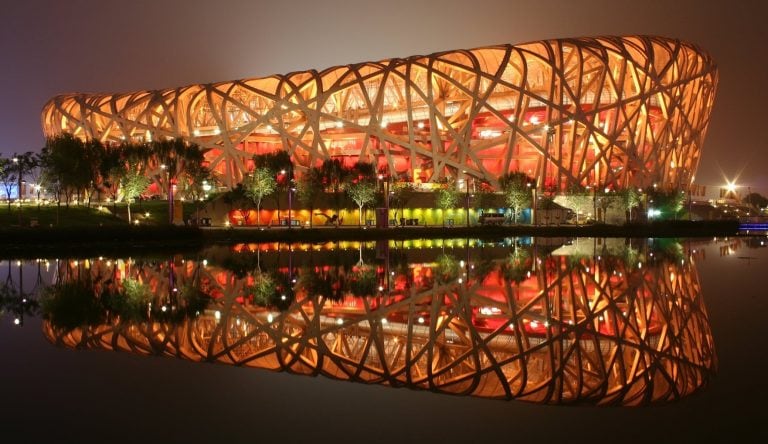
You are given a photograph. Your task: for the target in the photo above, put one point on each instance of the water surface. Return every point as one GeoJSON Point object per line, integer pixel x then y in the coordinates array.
{"type": "Point", "coordinates": [552, 322]}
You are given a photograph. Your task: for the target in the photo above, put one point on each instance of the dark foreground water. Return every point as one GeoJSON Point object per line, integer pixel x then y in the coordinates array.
{"type": "Point", "coordinates": [408, 341]}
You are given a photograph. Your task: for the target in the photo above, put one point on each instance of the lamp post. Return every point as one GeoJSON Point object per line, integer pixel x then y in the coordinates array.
{"type": "Point", "coordinates": [533, 202]}
{"type": "Point", "coordinates": [386, 190]}
{"type": "Point", "coordinates": [37, 189]}
{"type": "Point", "coordinates": [466, 195]}
{"type": "Point", "coordinates": [291, 190]}
{"type": "Point", "coordinates": [290, 203]}
{"type": "Point", "coordinates": [206, 189]}
{"type": "Point", "coordinates": [18, 188]}
{"type": "Point", "coordinates": [164, 167]}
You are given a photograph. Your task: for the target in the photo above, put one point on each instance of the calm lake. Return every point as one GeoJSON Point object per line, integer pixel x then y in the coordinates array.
{"type": "Point", "coordinates": [456, 340]}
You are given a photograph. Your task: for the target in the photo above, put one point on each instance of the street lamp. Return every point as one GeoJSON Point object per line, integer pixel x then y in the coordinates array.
{"type": "Point", "coordinates": [18, 189]}
{"type": "Point", "coordinates": [164, 167]}
{"type": "Point", "coordinates": [388, 195]}
{"type": "Point", "coordinates": [385, 191]}
{"type": "Point", "coordinates": [533, 202]}
{"type": "Point", "coordinates": [288, 176]}
{"type": "Point", "coordinates": [291, 190]}
{"type": "Point", "coordinates": [466, 194]}
{"type": "Point", "coordinates": [206, 188]}
{"type": "Point", "coordinates": [37, 189]}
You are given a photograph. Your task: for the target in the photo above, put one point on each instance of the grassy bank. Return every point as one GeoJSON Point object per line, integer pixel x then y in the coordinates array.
{"type": "Point", "coordinates": [148, 212]}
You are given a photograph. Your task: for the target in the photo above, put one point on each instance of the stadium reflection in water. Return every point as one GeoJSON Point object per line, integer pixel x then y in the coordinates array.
{"type": "Point", "coordinates": [588, 321]}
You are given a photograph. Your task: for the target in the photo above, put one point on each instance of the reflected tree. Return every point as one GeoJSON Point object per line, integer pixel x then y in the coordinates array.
{"type": "Point", "coordinates": [446, 269]}
{"type": "Point", "coordinates": [72, 304]}
{"type": "Point", "coordinates": [517, 265]}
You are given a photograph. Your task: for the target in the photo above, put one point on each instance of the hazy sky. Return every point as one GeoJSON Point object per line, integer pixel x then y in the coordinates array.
{"type": "Point", "coordinates": [53, 47]}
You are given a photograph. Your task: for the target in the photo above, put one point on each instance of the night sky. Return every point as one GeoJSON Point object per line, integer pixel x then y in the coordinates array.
{"type": "Point", "coordinates": [53, 47]}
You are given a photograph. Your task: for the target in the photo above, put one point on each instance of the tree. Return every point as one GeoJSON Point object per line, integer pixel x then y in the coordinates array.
{"type": "Point", "coordinates": [308, 187]}
{"type": "Point", "coordinates": [334, 173]}
{"type": "Point", "coordinates": [64, 162]}
{"type": "Point", "coordinates": [757, 200]}
{"type": "Point", "coordinates": [111, 168]}
{"type": "Point", "coordinates": [257, 185]}
{"type": "Point", "coordinates": [517, 265]}
{"type": "Point", "coordinates": [631, 198]}
{"type": "Point", "coordinates": [36, 175]}
{"type": "Point", "coordinates": [363, 193]}
{"type": "Point", "coordinates": [363, 279]}
{"type": "Point", "coordinates": [8, 178]}
{"type": "Point", "coordinates": [133, 183]}
{"type": "Point", "coordinates": [485, 196]}
{"type": "Point", "coordinates": [361, 186]}
{"type": "Point", "coordinates": [400, 194]}
{"type": "Point", "coordinates": [24, 164]}
{"type": "Point", "coordinates": [199, 182]}
{"type": "Point", "coordinates": [446, 269]}
{"type": "Point", "coordinates": [447, 198]}
{"type": "Point", "coordinates": [363, 171]}
{"type": "Point", "coordinates": [71, 305]}
{"type": "Point", "coordinates": [264, 288]}
{"type": "Point", "coordinates": [281, 166]}
{"type": "Point", "coordinates": [667, 203]}
{"type": "Point", "coordinates": [93, 152]}
{"type": "Point", "coordinates": [134, 161]}
{"type": "Point", "coordinates": [176, 157]}
{"type": "Point", "coordinates": [605, 199]}
{"type": "Point", "coordinates": [516, 188]}
{"type": "Point", "coordinates": [577, 198]}
{"type": "Point", "coordinates": [51, 183]}
{"type": "Point", "coordinates": [235, 195]}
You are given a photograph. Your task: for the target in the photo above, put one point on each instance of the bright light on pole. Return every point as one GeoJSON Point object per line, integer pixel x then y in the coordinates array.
{"type": "Point", "coordinates": [466, 194]}
{"type": "Point", "coordinates": [18, 188]}
{"type": "Point", "coordinates": [164, 167]}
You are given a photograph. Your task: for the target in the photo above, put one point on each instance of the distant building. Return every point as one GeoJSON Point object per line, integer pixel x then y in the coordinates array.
{"type": "Point", "coordinates": [610, 111]}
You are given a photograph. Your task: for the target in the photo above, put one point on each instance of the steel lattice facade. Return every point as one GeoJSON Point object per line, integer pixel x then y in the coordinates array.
{"type": "Point", "coordinates": [609, 111]}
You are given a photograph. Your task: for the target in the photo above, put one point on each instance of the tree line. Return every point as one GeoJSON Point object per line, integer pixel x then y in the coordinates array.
{"type": "Point", "coordinates": [74, 170]}
{"type": "Point", "coordinates": [71, 169]}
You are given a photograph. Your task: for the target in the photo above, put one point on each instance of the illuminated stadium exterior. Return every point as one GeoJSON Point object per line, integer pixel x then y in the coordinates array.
{"type": "Point", "coordinates": [611, 111]}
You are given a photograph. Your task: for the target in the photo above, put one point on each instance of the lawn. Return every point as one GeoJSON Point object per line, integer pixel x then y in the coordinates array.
{"type": "Point", "coordinates": [147, 213]}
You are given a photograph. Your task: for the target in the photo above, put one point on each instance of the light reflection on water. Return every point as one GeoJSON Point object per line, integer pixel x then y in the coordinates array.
{"type": "Point", "coordinates": [599, 321]}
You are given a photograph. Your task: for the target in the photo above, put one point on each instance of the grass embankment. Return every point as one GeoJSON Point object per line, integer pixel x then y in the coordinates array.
{"type": "Point", "coordinates": [152, 212]}
{"type": "Point", "coordinates": [96, 229]}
